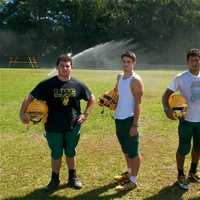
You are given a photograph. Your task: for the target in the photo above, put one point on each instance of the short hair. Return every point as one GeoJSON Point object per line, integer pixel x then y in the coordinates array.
{"type": "Point", "coordinates": [64, 57]}
{"type": "Point", "coordinates": [129, 54]}
{"type": "Point", "coordinates": [193, 52]}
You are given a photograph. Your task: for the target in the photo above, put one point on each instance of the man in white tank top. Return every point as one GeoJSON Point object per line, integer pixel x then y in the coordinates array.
{"type": "Point", "coordinates": [130, 90]}
{"type": "Point", "coordinates": [188, 83]}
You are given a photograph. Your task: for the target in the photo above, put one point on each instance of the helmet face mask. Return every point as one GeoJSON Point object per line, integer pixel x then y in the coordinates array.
{"type": "Point", "coordinates": [179, 112]}
{"type": "Point", "coordinates": [37, 111]}
{"type": "Point", "coordinates": [109, 100]}
{"type": "Point", "coordinates": [106, 100]}
{"type": "Point", "coordinates": [36, 117]}
{"type": "Point", "coordinates": [178, 105]}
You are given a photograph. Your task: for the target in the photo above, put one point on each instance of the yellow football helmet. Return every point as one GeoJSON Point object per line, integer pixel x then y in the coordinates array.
{"type": "Point", "coordinates": [179, 105]}
{"type": "Point", "coordinates": [109, 99]}
{"type": "Point", "coordinates": [37, 111]}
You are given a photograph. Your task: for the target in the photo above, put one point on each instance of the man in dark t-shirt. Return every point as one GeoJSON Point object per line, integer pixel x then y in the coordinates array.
{"type": "Point", "coordinates": [62, 94]}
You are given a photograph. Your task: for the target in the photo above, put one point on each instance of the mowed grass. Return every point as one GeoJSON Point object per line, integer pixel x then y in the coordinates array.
{"type": "Point", "coordinates": [25, 159]}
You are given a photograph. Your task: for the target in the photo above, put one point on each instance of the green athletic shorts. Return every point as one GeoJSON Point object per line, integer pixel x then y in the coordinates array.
{"type": "Point", "coordinates": [129, 145]}
{"type": "Point", "coordinates": [188, 131]}
{"type": "Point", "coordinates": [63, 141]}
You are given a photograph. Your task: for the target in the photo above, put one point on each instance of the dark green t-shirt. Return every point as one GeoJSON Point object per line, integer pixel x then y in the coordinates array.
{"type": "Point", "coordinates": [63, 100]}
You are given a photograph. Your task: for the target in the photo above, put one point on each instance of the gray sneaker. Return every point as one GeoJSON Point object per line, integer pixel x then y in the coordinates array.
{"type": "Point", "coordinates": [194, 177]}
{"type": "Point", "coordinates": [183, 182]}
{"type": "Point", "coordinates": [74, 183]}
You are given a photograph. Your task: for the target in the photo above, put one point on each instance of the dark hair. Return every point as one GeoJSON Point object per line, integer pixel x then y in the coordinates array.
{"type": "Point", "coordinates": [129, 54]}
{"type": "Point", "coordinates": [64, 57]}
{"type": "Point", "coordinates": [193, 52]}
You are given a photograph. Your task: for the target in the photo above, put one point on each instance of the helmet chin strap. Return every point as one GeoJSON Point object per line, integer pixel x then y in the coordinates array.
{"type": "Point", "coordinates": [102, 110]}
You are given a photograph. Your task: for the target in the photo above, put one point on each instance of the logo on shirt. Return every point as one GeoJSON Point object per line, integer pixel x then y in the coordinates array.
{"type": "Point", "coordinates": [195, 91]}
{"type": "Point", "coordinates": [65, 100]}
{"type": "Point", "coordinates": [64, 94]}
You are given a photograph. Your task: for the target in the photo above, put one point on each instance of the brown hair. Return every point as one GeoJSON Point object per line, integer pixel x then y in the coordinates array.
{"type": "Point", "coordinates": [64, 57]}
{"type": "Point", "coordinates": [129, 54]}
{"type": "Point", "coordinates": [193, 52]}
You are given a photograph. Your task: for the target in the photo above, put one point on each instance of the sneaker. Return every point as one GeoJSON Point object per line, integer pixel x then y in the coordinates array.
{"type": "Point", "coordinates": [74, 183]}
{"type": "Point", "coordinates": [194, 177]}
{"type": "Point", "coordinates": [126, 186]}
{"type": "Point", "coordinates": [122, 177]}
{"type": "Point", "coordinates": [183, 182]}
{"type": "Point", "coordinates": [53, 185]}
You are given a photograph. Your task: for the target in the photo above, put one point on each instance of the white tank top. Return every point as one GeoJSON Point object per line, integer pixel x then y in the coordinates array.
{"type": "Point", "coordinates": [126, 101]}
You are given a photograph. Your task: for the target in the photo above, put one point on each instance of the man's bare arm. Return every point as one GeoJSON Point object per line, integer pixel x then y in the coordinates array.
{"type": "Point", "coordinates": [90, 105]}
{"type": "Point", "coordinates": [137, 90]}
{"type": "Point", "coordinates": [165, 100]}
{"type": "Point", "coordinates": [23, 116]}
{"type": "Point", "coordinates": [88, 109]}
{"type": "Point", "coordinates": [117, 82]}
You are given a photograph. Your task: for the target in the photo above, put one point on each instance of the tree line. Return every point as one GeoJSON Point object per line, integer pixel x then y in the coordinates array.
{"type": "Point", "coordinates": [49, 27]}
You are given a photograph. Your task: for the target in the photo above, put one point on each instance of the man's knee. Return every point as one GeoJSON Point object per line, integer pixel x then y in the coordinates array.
{"type": "Point", "coordinates": [184, 149]}
{"type": "Point", "coordinates": [196, 151]}
{"type": "Point", "coordinates": [133, 147]}
{"type": "Point", "coordinates": [56, 154]}
{"type": "Point", "coordinates": [70, 152]}
{"type": "Point", "coordinates": [196, 147]}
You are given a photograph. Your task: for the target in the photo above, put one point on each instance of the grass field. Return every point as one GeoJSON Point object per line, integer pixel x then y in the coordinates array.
{"type": "Point", "coordinates": [25, 160]}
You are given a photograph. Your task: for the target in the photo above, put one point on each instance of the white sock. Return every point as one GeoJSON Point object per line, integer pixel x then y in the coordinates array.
{"type": "Point", "coordinates": [129, 170]}
{"type": "Point", "coordinates": [133, 179]}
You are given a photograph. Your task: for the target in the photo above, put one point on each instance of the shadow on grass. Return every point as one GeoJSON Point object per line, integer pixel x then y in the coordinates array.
{"type": "Point", "coordinates": [171, 192]}
{"type": "Point", "coordinates": [96, 194]}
